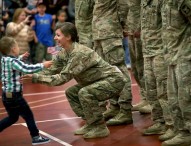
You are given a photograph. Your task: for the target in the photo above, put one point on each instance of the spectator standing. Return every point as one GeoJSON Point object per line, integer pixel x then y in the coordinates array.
{"type": "Point", "coordinates": [61, 17]}
{"type": "Point", "coordinates": [19, 30]}
{"type": "Point", "coordinates": [44, 26]}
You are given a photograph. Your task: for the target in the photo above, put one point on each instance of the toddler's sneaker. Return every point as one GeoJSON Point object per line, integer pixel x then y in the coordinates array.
{"type": "Point", "coordinates": [39, 140]}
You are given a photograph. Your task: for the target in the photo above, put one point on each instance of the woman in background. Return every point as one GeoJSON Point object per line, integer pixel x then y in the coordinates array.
{"type": "Point", "coordinates": [21, 30]}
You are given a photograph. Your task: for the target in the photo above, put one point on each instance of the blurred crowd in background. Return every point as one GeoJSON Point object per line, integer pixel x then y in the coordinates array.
{"type": "Point", "coordinates": [32, 24]}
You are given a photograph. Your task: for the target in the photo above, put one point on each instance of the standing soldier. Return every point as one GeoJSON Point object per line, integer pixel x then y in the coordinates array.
{"type": "Point", "coordinates": [132, 30]}
{"type": "Point", "coordinates": [107, 35]}
{"type": "Point", "coordinates": [177, 28]}
{"type": "Point", "coordinates": [155, 68]}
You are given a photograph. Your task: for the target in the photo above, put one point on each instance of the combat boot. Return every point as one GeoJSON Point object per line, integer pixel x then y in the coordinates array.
{"type": "Point", "coordinates": [121, 118]}
{"type": "Point", "coordinates": [170, 133]}
{"type": "Point", "coordinates": [145, 109]}
{"type": "Point", "coordinates": [111, 112]}
{"type": "Point", "coordinates": [183, 138]}
{"type": "Point", "coordinates": [83, 130]}
{"type": "Point", "coordinates": [96, 131]}
{"type": "Point", "coordinates": [156, 128]}
{"type": "Point", "coordinates": [139, 105]}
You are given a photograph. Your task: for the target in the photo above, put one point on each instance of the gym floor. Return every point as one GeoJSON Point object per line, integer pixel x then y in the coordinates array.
{"type": "Point", "coordinates": [56, 120]}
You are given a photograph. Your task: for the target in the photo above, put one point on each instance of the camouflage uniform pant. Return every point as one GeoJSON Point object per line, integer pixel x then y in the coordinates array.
{"type": "Point", "coordinates": [83, 21]}
{"type": "Point", "coordinates": [179, 89]}
{"type": "Point", "coordinates": [84, 37]}
{"type": "Point", "coordinates": [41, 53]}
{"type": "Point", "coordinates": [84, 100]}
{"type": "Point", "coordinates": [137, 63]}
{"type": "Point", "coordinates": [156, 87]}
{"type": "Point", "coordinates": [111, 50]}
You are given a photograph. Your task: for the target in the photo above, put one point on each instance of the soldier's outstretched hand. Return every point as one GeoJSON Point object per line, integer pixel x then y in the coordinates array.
{"type": "Point", "coordinates": [26, 78]}
{"type": "Point", "coordinates": [47, 64]}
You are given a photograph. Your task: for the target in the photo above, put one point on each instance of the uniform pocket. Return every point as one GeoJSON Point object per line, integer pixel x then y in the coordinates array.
{"type": "Point", "coordinates": [154, 17]}
{"type": "Point", "coordinates": [150, 17]}
{"type": "Point", "coordinates": [176, 20]}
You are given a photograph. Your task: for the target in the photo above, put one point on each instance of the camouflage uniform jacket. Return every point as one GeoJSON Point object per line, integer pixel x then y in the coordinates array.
{"type": "Point", "coordinates": [82, 64]}
{"type": "Point", "coordinates": [106, 23]}
{"type": "Point", "coordinates": [177, 32]}
{"type": "Point", "coordinates": [151, 28]}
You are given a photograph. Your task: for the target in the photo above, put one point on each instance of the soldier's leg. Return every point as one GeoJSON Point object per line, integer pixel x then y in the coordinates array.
{"type": "Point", "coordinates": [103, 104]}
{"type": "Point", "coordinates": [151, 69]}
{"type": "Point", "coordinates": [114, 54]}
{"type": "Point", "coordinates": [184, 96]}
{"type": "Point", "coordinates": [73, 98]}
{"type": "Point", "coordinates": [144, 104]}
{"type": "Point", "coordinates": [89, 97]}
{"type": "Point", "coordinates": [83, 21]}
{"type": "Point", "coordinates": [83, 27]}
{"type": "Point", "coordinates": [172, 92]}
{"type": "Point", "coordinates": [161, 70]}
{"type": "Point", "coordinates": [137, 68]}
{"type": "Point", "coordinates": [179, 101]}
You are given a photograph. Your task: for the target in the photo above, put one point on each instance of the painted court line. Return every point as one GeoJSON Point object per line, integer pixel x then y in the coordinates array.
{"type": "Point", "coordinates": [42, 100]}
{"type": "Point", "coordinates": [50, 98]}
{"type": "Point", "coordinates": [52, 120]}
{"type": "Point", "coordinates": [42, 93]}
{"type": "Point", "coordinates": [52, 137]}
{"type": "Point", "coordinates": [48, 104]}
{"type": "Point", "coordinates": [41, 105]}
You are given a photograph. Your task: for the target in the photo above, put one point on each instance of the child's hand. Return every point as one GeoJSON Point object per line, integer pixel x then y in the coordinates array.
{"type": "Point", "coordinates": [47, 64]}
{"type": "Point", "coordinates": [25, 55]}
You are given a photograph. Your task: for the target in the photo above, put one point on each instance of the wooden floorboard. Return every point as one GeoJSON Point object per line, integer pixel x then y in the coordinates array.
{"type": "Point", "coordinates": [56, 120]}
